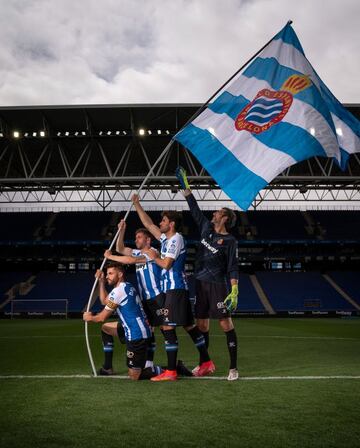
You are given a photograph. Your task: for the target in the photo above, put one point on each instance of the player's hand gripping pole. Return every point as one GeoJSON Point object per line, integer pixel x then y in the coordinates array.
{"type": "Point", "coordinates": [161, 156]}
{"type": "Point", "coordinates": [180, 173]}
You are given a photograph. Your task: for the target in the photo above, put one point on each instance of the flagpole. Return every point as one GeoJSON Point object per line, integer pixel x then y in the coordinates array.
{"type": "Point", "coordinates": [198, 112]}
{"type": "Point", "coordinates": [166, 149]}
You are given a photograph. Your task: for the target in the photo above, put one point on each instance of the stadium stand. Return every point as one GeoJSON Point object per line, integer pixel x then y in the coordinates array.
{"type": "Point", "coordinates": [301, 291]}
{"type": "Point", "coordinates": [56, 285]}
{"type": "Point", "coordinates": [72, 286]}
{"type": "Point", "coordinates": [40, 247]}
{"type": "Point", "coordinates": [277, 224]}
{"type": "Point", "coordinates": [248, 300]}
{"type": "Point", "coordinates": [338, 225]}
{"type": "Point", "coordinates": [262, 225]}
{"type": "Point", "coordinates": [75, 226]}
{"type": "Point", "coordinates": [11, 280]}
{"type": "Point", "coordinates": [349, 281]}
{"type": "Point", "coordinates": [21, 226]}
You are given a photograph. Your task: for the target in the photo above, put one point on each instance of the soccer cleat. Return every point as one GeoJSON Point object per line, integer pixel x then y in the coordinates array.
{"type": "Point", "coordinates": [195, 370]}
{"type": "Point", "coordinates": [233, 375]}
{"type": "Point", "coordinates": [204, 369]}
{"type": "Point", "coordinates": [182, 370]}
{"type": "Point", "coordinates": [168, 375]}
{"type": "Point", "coordinates": [105, 372]}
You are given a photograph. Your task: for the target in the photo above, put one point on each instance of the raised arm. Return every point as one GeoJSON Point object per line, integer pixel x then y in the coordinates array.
{"type": "Point", "coordinates": [201, 221]}
{"type": "Point", "coordinates": [102, 291]}
{"type": "Point", "coordinates": [124, 259]}
{"type": "Point", "coordinates": [145, 218]}
{"type": "Point", "coordinates": [120, 247]}
{"type": "Point", "coordinates": [164, 263]}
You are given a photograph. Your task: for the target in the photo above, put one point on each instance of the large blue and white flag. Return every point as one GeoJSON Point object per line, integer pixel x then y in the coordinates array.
{"type": "Point", "coordinates": [274, 114]}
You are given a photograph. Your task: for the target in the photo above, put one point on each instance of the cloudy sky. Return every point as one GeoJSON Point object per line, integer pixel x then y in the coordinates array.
{"type": "Point", "coordinates": [162, 51]}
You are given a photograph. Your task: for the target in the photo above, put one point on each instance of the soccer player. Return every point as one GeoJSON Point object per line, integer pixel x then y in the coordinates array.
{"type": "Point", "coordinates": [124, 299]}
{"type": "Point", "coordinates": [216, 266]}
{"type": "Point", "coordinates": [148, 275]}
{"type": "Point", "coordinates": [177, 307]}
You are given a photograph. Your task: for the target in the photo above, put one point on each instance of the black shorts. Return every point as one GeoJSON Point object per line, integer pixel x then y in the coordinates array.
{"type": "Point", "coordinates": [154, 310]}
{"type": "Point", "coordinates": [136, 353]}
{"type": "Point", "coordinates": [209, 301]}
{"type": "Point", "coordinates": [177, 308]}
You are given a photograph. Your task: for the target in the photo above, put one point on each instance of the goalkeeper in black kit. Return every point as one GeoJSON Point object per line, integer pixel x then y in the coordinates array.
{"type": "Point", "coordinates": [216, 266]}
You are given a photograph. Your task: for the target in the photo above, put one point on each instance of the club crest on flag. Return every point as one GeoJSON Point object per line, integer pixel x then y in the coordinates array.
{"type": "Point", "coordinates": [270, 106]}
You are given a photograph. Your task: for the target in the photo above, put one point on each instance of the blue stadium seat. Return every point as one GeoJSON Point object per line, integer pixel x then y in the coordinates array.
{"type": "Point", "coordinates": [248, 300]}
{"type": "Point", "coordinates": [278, 224]}
{"type": "Point", "coordinates": [344, 224]}
{"type": "Point", "coordinates": [301, 291]}
{"type": "Point", "coordinates": [20, 226]}
{"type": "Point", "coordinates": [349, 282]}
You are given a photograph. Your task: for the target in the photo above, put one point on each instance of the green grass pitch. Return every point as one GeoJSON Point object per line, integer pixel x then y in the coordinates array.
{"type": "Point", "coordinates": [256, 411]}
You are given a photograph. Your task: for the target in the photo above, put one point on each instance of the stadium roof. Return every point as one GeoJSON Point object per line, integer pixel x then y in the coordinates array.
{"type": "Point", "coordinates": [100, 148]}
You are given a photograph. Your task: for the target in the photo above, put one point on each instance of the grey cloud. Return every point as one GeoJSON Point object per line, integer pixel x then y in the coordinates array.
{"type": "Point", "coordinates": [117, 51]}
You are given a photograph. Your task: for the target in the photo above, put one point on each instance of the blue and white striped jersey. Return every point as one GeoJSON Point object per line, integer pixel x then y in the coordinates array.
{"type": "Point", "coordinates": [127, 303]}
{"type": "Point", "coordinates": [174, 248]}
{"type": "Point", "coordinates": [148, 276]}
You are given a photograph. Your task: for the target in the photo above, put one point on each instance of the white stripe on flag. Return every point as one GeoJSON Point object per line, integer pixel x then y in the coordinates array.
{"type": "Point", "coordinates": [305, 116]}
{"type": "Point", "coordinates": [300, 114]}
{"type": "Point", "coordinates": [256, 156]}
{"type": "Point", "coordinates": [346, 137]}
{"type": "Point", "coordinates": [248, 87]}
{"type": "Point", "coordinates": [289, 56]}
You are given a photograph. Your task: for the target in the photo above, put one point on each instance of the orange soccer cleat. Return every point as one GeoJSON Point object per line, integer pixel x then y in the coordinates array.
{"type": "Point", "coordinates": [167, 375]}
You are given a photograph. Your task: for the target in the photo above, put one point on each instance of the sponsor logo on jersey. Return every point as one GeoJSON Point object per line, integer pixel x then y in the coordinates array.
{"type": "Point", "coordinates": [220, 241]}
{"type": "Point", "coordinates": [162, 312]}
{"type": "Point", "coordinates": [209, 246]}
{"type": "Point", "coordinates": [140, 266]}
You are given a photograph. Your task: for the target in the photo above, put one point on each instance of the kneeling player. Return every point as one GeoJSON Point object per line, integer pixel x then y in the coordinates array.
{"type": "Point", "coordinates": [124, 299]}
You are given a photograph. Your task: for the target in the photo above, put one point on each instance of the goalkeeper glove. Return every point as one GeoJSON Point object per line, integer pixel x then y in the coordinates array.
{"type": "Point", "coordinates": [180, 173]}
{"type": "Point", "coordinates": [232, 299]}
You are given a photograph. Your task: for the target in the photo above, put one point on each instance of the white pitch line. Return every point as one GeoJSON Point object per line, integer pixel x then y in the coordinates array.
{"type": "Point", "coordinates": [216, 378]}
